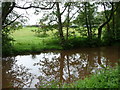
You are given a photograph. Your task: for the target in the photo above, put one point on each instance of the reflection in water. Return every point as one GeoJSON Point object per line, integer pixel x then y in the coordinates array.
{"type": "Point", "coordinates": [15, 75]}
{"type": "Point", "coordinates": [56, 67]}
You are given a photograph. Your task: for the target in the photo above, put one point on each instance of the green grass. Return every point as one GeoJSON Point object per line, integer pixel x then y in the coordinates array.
{"type": "Point", "coordinates": [27, 42]}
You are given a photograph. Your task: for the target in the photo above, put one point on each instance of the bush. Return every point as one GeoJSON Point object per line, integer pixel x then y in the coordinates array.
{"type": "Point", "coordinates": [82, 42]}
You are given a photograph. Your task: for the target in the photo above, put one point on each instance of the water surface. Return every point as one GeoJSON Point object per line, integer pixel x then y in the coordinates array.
{"type": "Point", "coordinates": [56, 67]}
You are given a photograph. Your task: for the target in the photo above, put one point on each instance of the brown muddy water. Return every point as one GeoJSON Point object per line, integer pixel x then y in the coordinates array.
{"type": "Point", "coordinates": [55, 67]}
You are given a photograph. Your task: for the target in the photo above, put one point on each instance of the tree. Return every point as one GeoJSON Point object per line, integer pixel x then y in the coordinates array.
{"type": "Point", "coordinates": [107, 21]}
{"type": "Point", "coordinates": [117, 22]}
{"type": "Point", "coordinates": [60, 26]}
{"type": "Point", "coordinates": [70, 16]}
{"type": "Point", "coordinates": [46, 6]}
{"type": "Point", "coordinates": [9, 23]}
{"type": "Point", "coordinates": [86, 17]}
{"type": "Point", "coordinates": [68, 20]}
{"type": "Point", "coordinates": [7, 8]}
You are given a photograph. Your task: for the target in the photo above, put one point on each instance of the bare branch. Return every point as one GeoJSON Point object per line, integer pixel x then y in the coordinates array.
{"type": "Point", "coordinates": [44, 5]}
{"type": "Point", "coordinates": [12, 21]}
{"type": "Point", "coordinates": [74, 14]}
{"type": "Point", "coordinates": [52, 21]}
{"type": "Point", "coordinates": [35, 7]}
{"type": "Point", "coordinates": [63, 10]}
{"type": "Point", "coordinates": [71, 16]}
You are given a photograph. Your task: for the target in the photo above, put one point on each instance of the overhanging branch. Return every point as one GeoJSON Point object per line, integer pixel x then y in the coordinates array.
{"type": "Point", "coordinates": [12, 21]}
{"type": "Point", "coordinates": [7, 12]}
{"type": "Point", "coordinates": [63, 10]}
{"type": "Point", "coordinates": [36, 7]}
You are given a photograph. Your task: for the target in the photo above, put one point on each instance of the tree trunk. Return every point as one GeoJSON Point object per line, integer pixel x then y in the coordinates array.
{"type": "Point", "coordinates": [113, 25]}
{"type": "Point", "coordinates": [86, 19]}
{"type": "Point", "coordinates": [7, 8]}
{"type": "Point", "coordinates": [107, 21]}
{"type": "Point", "coordinates": [100, 28]}
{"type": "Point", "coordinates": [90, 28]}
{"type": "Point", "coordinates": [117, 21]}
{"type": "Point", "coordinates": [106, 16]}
{"type": "Point", "coordinates": [68, 21]}
{"type": "Point", "coordinates": [113, 22]}
{"type": "Point", "coordinates": [60, 25]}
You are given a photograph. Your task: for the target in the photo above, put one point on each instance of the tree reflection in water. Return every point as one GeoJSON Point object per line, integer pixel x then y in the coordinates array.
{"type": "Point", "coordinates": [56, 68]}
{"type": "Point", "coordinates": [69, 67]}
{"type": "Point", "coordinates": [15, 76]}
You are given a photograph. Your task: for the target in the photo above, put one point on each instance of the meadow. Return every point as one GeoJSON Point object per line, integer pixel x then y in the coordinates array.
{"type": "Point", "coordinates": [26, 41]}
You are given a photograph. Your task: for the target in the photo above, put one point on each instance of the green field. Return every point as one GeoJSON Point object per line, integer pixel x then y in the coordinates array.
{"type": "Point", "coordinates": [27, 41]}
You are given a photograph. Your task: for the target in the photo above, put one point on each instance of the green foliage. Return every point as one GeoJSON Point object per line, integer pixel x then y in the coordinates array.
{"type": "Point", "coordinates": [50, 84]}
{"type": "Point", "coordinates": [87, 20]}
{"type": "Point", "coordinates": [108, 38]}
{"type": "Point", "coordinates": [40, 33]}
{"type": "Point", "coordinates": [99, 18]}
{"type": "Point", "coordinates": [88, 10]}
{"type": "Point", "coordinates": [11, 21]}
{"type": "Point", "coordinates": [7, 39]}
{"type": "Point", "coordinates": [6, 42]}
{"type": "Point", "coordinates": [82, 42]}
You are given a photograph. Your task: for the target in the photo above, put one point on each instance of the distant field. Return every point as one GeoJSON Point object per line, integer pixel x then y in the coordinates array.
{"type": "Point", "coordinates": [26, 40]}
{"type": "Point", "coordinates": [26, 36]}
